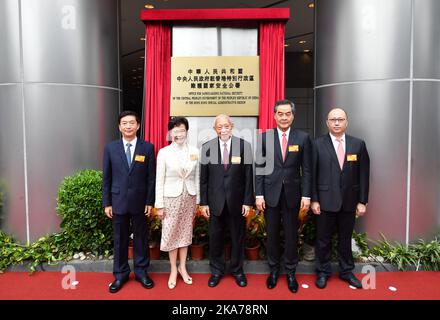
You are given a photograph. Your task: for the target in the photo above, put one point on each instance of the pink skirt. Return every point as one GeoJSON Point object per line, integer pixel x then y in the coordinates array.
{"type": "Point", "coordinates": [177, 225]}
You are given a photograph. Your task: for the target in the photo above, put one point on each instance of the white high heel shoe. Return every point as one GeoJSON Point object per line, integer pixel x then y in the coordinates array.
{"type": "Point", "coordinates": [188, 280]}
{"type": "Point", "coordinates": [171, 284]}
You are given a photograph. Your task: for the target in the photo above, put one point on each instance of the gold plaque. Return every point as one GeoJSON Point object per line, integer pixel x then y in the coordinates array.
{"type": "Point", "coordinates": [208, 86]}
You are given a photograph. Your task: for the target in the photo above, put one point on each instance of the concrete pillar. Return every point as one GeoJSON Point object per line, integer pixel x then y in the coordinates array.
{"type": "Point", "coordinates": [380, 61]}
{"type": "Point", "coordinates": [59, 100]}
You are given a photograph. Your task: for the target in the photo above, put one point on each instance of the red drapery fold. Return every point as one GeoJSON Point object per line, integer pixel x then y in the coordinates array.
{"type": "Point", "coordinates": [157, 83]}
{"type": "Point", "coordinates": [271, 71]}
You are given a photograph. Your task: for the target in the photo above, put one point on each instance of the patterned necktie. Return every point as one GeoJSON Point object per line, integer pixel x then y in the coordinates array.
{"type": "Point", "coordinates": [340, 153]}
{"type": "Point", "coordinates": [225, 156]}
{"type": "Point", "coordinates": [128, 154]}
{"type": "Point", "coordinates": [284, 146]}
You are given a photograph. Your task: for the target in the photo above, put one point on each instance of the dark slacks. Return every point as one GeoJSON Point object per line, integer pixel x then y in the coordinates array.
{"type": "Point", "coordinates": [141, 258]}
{"type": "Point", "coordinates": [275, 217]}
{"type": "Point", "coordinates": [328, 223]}
{"type": "Point", "coordinates": [217, 227]}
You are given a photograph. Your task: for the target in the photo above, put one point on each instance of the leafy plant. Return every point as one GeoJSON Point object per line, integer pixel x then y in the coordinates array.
{"type": "Point", "coordinates": [307, 229]}
{"type": "Point", "coordinates": [48, 249]}
{"type": "Point", "coordinates": [421, 255]}
{"type": "Point", "coordinates": [255, 229]}
{"type": "Point", "coordinates": [154, 227]}
{"type": "Point", "coordinates": [86, 226]}
{"type": "Point", "coordinates": [200, 228]}
{"type": "Point", "coordinates": [428, 254]}
{"type": "Point", "coordinates": [361, 241]}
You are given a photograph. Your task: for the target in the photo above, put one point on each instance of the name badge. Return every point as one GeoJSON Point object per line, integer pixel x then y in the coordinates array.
{"type": "Point", "coordinates": [352, 157]}
{"type": "Point", "coordinates": [193, 157]}
{"type": "Point", "coordinates": [235, 160]}
{"type": "Point", "coordinates": [139, 158]}
{"type": "Point", "coordinates": [294, 148]}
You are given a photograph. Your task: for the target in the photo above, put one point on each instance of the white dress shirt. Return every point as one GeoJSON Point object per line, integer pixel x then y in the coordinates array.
{"type": "Point", "coordinates": [280, 137]}
{"type": "Point", "coordinates": [336, 143]}
{"type": "Point", "coordinates": [132, 147]}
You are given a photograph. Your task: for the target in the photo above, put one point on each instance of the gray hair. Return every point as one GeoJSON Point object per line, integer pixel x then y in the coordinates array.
{"type": "Point", "coordinates": [222, 115]}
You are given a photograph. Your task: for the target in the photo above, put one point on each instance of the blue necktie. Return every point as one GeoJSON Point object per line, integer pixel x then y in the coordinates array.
{"type": "Point", "coordinates": [128, 154]}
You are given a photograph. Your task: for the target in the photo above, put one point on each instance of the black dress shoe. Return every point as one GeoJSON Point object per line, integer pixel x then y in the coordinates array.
{"type": "Point", "coordinates": [146, 282]}
{"type": "Point", "coordinates": [214, 280]}
{"type": "Point", "coordinates": [116, 285]}
{"type": "Point", "coordinates": [352, 280]}
{"type": "Point", "coordinates": [321, 282]}
{"type": "Point", "coordinates": [292, 283]}
{"type": "Point", "coordinates": [241, 280]}
{"type": "Point", "coordinates": [272, 280]}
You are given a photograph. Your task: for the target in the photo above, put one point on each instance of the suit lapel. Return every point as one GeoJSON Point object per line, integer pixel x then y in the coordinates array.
{"type": "Point", "coordinates": [290, 142]}
{"type": "Point", "coordinates": [219, 152]}
{"type": "Point", "coordinates": [121, 151]}
{"type": "Point", "coordinates": [348, 149]}
{"type": "Point", "coordinates": [331, 150]}
{"type": "Point", "coordinates": [186, 168]}
{"type": "Point", "coordinates": [136, 151]}
{"type": "Point", "coordinates": [220, 148]}
{"type": "Point", "coordinates": [234, 151]}
{"type": "Point", "coordinates": [277, 146]}
{"type": "Point", "coordinates": [175, 160]}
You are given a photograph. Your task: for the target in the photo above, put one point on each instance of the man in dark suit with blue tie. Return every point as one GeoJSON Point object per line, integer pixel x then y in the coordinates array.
{"type": "Point", "coordinates": [283, 186]}
{"type": "Point", "coordinates": [341, 170]}
{"type": "Point", "coordinates": [128, 189]}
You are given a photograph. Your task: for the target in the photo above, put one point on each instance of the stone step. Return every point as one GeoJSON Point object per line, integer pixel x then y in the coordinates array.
{"type": "Point", "coordinates": [201, 266]}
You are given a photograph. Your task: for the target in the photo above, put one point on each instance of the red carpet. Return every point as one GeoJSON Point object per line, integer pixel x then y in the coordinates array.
{"type": "Point", "coordinates": [93, 286]}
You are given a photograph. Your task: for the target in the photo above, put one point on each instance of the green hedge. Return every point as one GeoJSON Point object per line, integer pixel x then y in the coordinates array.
{"type": "Point", "coordinates": [86, 226]}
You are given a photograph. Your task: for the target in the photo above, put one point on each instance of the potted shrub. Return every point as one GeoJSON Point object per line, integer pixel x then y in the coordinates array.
{"type": "Point", "coordinates": [255, 233]}
{"type": "Point", "coordinates": [154, 235]}
{"type": "Point", "coordinates": [79, 205]}
{"type": "Point", "coordinates": [200, 236]}
{"type": "Point", "coordinates": [130, 247]}
{"type": "Point", "coordinates": [307, 234]}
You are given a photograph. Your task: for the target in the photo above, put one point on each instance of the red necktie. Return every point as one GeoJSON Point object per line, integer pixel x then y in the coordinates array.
{"type": "Point", "coordinates": [284, 146]}
{"type": "Point", "coordinates": [340, 153]}
{"type": "Point", "coordinates": [225, 156]}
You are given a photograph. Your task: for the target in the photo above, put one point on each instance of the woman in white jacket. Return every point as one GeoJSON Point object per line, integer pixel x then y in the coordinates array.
{"type": "Point", "coordinates": [177, 194]}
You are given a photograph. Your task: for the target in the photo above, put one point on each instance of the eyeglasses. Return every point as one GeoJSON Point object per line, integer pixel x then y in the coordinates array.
{"type": "Point", "coordinates": [334, 120]}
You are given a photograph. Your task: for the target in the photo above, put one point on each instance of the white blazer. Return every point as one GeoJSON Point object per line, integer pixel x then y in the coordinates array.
{"type": "Point", "coordinates": [170, 176]}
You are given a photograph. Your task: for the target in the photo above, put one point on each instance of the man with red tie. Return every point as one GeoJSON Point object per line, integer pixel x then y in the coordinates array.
{"type": "Point", "coordinates": [341, 170]}
{"type": "Point", "coordinates": [283, 183]}
{"type": "Point", "coordinates": [226, 196]}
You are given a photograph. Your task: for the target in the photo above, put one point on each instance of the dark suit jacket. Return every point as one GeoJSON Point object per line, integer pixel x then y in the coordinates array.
{"type": "Point", "coordinates": [128, 190]}
{"type": "Point", "coordinates": [337, 189]}
{"type": "Point", "coordinates": [295, 173]}
{"type": "Point", "coordinates": [233, 186]}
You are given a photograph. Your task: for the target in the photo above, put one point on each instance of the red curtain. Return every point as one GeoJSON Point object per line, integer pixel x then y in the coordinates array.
{"type": "Point", "coordinates": [271, 71]}
{"type": "Point", "coordinates": [157, 83]}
